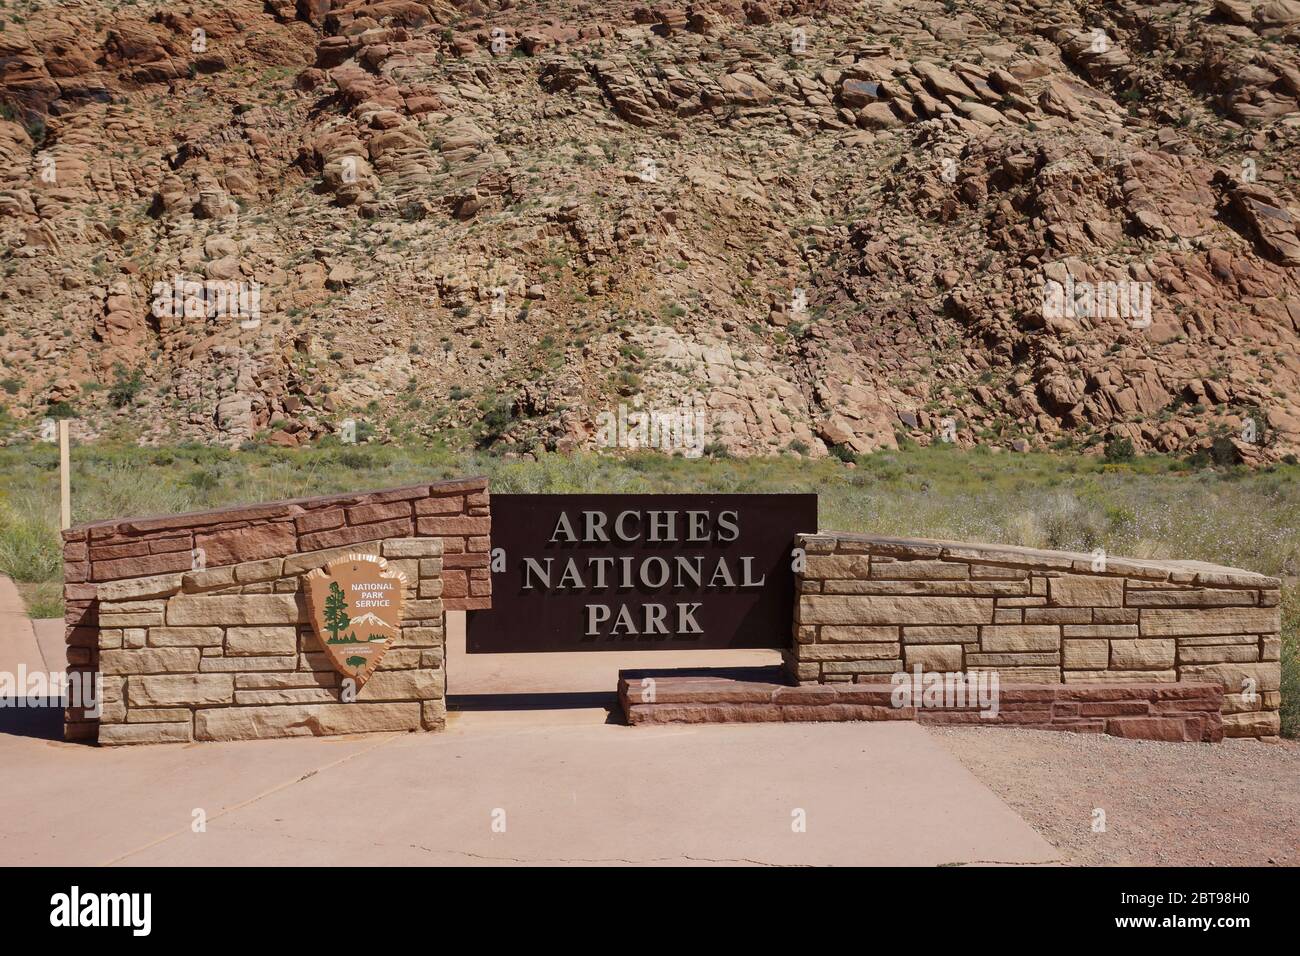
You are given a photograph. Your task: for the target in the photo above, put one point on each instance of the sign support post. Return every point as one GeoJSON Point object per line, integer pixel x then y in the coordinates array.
{"type": "Point", "coordinates": [65, 478]}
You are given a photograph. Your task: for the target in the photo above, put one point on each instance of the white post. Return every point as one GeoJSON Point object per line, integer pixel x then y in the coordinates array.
{"type": "Point", "coordinates": [65, 478]}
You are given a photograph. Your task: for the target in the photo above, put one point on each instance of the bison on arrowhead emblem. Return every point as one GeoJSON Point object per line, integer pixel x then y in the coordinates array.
{"type": "Point", "coordinates": [356, 612]}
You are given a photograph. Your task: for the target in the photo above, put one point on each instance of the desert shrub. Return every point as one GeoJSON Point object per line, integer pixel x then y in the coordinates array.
{"type": "Point", "coordinates": [125, 387]}
{"type": "Point", "coordinates": [1061, 521]}
{"type": "Point", "coordinates": [1291, 661]}
{"type": "Point", "coordinates": [1120, 449]}
{"type": "Point", "coordinates": [497, 416]}
{"type": "Point", "coordinates": [203, 479]}
{"type": "Point", "coordinates": [30, 547]}
{"type": "Point", "coordinates": [883, 465]}
{"type": "Point", "coordinates": [627, 382]}
{"type": "Point", "coordinates": [44, 599]}
{"type": "Point", "coordinates": [1223, 451]}
{"type": "Point", "coordinates": [36, 129]}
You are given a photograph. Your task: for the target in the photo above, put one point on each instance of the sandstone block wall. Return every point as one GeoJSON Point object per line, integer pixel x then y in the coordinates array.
{"type": "Point", "coordinates": [229, 654]}
{"type": "Point", "coordinates": [225, 650]}
{"type": "Point", "coordinates": [870, 606]}
{"type": "Point", "coordinates": [1170, 711]}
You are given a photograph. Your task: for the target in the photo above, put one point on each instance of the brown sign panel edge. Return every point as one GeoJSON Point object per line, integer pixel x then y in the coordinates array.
{"type": "Point", "coordinates": [547, 605]}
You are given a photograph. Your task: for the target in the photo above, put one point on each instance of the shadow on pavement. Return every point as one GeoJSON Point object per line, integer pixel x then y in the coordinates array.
{"type": "Point", "coordinates": [757, 674]}
{"type": "Point", "coordinates": [36, 718]}
{"type": "Point", "coordinates": [607, 701]}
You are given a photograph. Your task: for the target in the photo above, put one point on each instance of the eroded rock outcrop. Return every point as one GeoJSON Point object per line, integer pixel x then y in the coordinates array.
{"type": "Point", "coordinates": [830, 230]}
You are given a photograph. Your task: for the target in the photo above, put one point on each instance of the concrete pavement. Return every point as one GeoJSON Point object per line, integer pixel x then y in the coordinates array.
{"type": "Point", "coordinates": [51, 639]}
{"type": "Point", "coordinates": [18, 643]}
{"type": "Point", "coordinates": [538, 793]}
{"type": "Point", "coordinates": [541, 779]}
{"type": "Point", "coordinates": [28, 647]}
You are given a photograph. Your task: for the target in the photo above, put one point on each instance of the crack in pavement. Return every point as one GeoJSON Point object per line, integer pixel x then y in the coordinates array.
{"type": "Point", "coordinates": [1060, 862]}
{"type": "Point", "coordinates": [600, 860]}
{"type": "Point", "coordinates": [379, 844]}
{"type": "Point", "coordinates": [226, 819]}
{"type": "Point", "coordinates": [224, 811]}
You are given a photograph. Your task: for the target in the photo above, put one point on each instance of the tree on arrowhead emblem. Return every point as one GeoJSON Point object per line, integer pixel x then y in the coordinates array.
{"type": "Point", "coordinates": [336, 611]}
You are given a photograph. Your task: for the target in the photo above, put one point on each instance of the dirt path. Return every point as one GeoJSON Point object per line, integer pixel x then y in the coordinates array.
{"type": "Point", "coordinates": [1230, 804]}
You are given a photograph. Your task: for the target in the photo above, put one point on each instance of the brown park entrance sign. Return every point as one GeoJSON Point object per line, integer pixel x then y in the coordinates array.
{"type": "Point", "coordinates": [640, 572]}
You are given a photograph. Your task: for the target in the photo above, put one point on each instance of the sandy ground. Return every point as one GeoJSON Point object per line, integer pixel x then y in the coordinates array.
{"type": "Point", "coordinates": [1230, 804]}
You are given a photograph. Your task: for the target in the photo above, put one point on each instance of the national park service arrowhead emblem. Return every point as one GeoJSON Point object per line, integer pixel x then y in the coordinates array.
{"type": "Point", "coordinates": [356, 610]}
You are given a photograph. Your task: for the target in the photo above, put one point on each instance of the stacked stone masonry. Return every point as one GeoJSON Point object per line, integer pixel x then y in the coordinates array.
{"type": "Point", "coordinates": [1170, 712]}
{"type": "Point", "coordinates": [199, 626]}
{"type": "Point", "coordinates": [868, 607]}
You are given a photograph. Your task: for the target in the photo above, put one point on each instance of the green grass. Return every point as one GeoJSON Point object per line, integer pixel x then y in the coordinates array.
{"type": "Point", "coordinates": [30, 549]}
{"type": "Point", "coordinates": [42, 599]}
{"type": "Point", "coordinates": [1150, 507]}
{"type": "Point", "coordinates": [1291, 660]}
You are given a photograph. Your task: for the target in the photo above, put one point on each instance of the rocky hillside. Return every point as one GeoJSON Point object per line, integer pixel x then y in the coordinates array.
{"type": "Point", "coordinates": [824, 225]}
